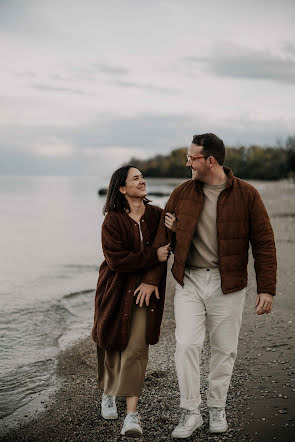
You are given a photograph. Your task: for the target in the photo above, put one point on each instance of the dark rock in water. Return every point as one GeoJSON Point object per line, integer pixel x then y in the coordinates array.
{"type": "Point", "coordinates": [154, 193]}
{"type": "Point", "coordinates": [103, 191]}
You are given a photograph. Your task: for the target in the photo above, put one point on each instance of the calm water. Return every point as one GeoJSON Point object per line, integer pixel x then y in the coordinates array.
{"type": "Point", "coordinates": [50, 254]}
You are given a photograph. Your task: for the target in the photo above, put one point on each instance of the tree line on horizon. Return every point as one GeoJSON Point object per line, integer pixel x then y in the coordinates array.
{"type": "Point", "coordinates": [252, 162]}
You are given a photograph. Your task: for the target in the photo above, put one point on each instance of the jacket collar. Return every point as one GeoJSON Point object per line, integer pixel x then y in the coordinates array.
{"type": "Point", "coordinates": [229, 183]}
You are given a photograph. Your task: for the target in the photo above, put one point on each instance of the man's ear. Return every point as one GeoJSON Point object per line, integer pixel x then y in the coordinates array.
{"type": "Point", "coordinates": [122, 190]}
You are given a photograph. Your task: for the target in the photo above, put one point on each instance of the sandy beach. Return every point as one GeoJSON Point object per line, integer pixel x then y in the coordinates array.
{"type": "Point", "coordinates": [261, 400]}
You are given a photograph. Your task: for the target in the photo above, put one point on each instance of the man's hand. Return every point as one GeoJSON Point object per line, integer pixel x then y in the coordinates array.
{"type": "Point", "coordinates": [263, 303]}
{"type": "Point", "coordinates": [144, 292]}
{"type": "Point", "coordinates": [170, 221]}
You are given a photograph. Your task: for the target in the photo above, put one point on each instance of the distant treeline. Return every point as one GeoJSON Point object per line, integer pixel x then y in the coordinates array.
{"type": "Point", "coordinates": [253, 162]}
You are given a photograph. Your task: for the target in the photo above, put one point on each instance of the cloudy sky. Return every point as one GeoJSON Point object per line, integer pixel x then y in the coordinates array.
{"type": "Point", "coordinates": [86, 84]}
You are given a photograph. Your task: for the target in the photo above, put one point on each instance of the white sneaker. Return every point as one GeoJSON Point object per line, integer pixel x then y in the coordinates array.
{"type": "Point", "coordinates": [131, 426]}
{"type": "Point", "coordinates": [108, 407]}
{"type": "Point", "coordinates": [189, 421]}
{"type": "Point", "coordinates": [217, 420]}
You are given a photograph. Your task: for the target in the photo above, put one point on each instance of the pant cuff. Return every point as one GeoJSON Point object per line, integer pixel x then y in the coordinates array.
{"type": "Point", "coordinates": [211, 402]}
{"type": "Point", "coordinates": [190, 404]}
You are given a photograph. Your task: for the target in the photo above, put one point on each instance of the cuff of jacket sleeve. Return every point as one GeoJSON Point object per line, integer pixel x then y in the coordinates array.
{"type": "Point", "coordinates": [151, 281]}
{"type": "Point", "coordinates": [154, 276]}
{"type": "Point", "coordinates": [269, 291]}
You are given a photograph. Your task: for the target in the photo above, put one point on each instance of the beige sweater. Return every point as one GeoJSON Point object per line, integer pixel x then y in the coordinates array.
{"type": "Point", "coordinates": [203, 250]}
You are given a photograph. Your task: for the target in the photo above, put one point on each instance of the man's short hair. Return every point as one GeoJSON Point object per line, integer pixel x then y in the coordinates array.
{"type": "Point", "coordinates": [212, 146]}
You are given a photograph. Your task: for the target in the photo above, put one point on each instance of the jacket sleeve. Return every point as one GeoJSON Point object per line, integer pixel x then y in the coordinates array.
{"type": "Point", "coordinates": [263, 247]}
{"type": "Point", "coordinates": [163, 236]}
{"type": "Point", "coordinates": [117, 255]}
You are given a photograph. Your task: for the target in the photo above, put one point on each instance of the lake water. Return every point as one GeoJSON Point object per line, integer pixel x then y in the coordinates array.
{"type": "Point", "coordinates": [50, 254]}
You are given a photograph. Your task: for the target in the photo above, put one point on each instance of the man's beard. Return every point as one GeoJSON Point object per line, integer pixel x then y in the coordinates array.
{"type": "Point", "coordinates": [194, 174]}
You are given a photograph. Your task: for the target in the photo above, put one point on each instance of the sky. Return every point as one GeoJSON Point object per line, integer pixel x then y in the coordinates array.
{"type": "Point", "coordinates": [87, 84]}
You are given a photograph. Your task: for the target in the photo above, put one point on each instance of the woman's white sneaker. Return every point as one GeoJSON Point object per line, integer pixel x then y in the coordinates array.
{"type": "Point", "coordinates": [189, 421]}
{"type": "Point", "coordinates": [108, 407]}
{"type": "Point", "coordinates": [217, 420]}
{"type": "Point", "coordinates": [131, 426]}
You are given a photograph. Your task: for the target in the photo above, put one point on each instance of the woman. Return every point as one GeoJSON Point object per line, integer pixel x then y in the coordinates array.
{"type": "Point", "coordinates": [125, 321]}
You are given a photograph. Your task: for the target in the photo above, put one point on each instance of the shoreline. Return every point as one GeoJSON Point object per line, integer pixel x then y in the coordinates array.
{"type": "Point", "coordinates": [261, 399]}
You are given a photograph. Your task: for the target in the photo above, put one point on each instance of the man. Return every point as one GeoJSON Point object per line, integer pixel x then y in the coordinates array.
{"type": "Point", "coordinates": [209, 221]}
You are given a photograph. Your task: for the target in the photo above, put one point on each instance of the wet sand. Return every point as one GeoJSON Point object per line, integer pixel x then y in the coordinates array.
{"type": "Point", "coordinates": [261, 399]}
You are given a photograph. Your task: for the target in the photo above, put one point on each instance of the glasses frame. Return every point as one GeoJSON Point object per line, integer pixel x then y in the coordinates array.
{"type": "Point", "coordinates": [191, 159]}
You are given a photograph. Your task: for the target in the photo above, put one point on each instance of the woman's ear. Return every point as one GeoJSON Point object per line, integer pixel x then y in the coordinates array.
{"type": "Point", "coordinates": [122, 190]}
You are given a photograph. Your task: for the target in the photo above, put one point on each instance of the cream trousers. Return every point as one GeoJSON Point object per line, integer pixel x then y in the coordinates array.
{"type": "Point", "coordinates": [200, 303]}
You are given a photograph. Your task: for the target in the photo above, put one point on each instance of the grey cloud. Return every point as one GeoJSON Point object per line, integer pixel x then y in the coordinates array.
{"type": "Point", "coordinates": [23, 17]}
{"type": "Point", "coordinates": [90, 73]}
{"type": "Point", "coordinates": [247, 63]}
{"type": "Point", "coordinates": [95, 69]}
{"type": "Point", "coordinates": [58, 77]}
{"type": "Point", "coordinates": [16, 162]}
{"type": "Point", "coordinates": [145, 131]}
{"type": "Point", "coordinates": [164, 132]}
{"type": "Point", "coordinates": [245, 131]}
{"type": "Point", "coordinates": [87, 76]}
{"type": "Point", "coordinates": [148, 133]}
{"type": "Point", "coordinates": [110, 69]}
{"type": "Point", "coordinates": [49, 88]}
{"type": "Point", "coordinates": [26, 74]}
{"type": "Point", "coordinates": [290, 47]}
{"type": "Point", "coordinates": [146, 87]}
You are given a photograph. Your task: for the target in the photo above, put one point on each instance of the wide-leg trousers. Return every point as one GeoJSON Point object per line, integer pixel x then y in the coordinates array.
{"type": "Point", "coordinates": [121, 373]}
{"type": "Point", "coordinates": [200, 302]}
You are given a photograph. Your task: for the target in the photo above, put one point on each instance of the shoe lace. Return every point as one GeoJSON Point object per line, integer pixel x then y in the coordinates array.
{"type": "Point", "coordinates": [133, 418]}
{"type": "Point", "coordinates": [216, 414]}
{"type": "Point", "coordinates": [185, 414]}
{"type": "Point", "coordinates": [109, 401]}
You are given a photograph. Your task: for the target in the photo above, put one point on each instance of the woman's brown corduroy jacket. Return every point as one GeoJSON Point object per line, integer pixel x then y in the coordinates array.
{"type": "Point", "coordinates": [126, 257]}
{"type": "Point", "coordinates": [241, 217]}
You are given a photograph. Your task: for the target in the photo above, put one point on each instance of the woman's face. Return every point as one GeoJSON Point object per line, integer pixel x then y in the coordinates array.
{"type": "Point", "coordinates": [135, 184]}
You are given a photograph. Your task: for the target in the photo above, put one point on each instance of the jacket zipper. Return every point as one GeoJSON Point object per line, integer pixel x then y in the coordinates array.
{"type": "Point", "coordinates": [217, 231]}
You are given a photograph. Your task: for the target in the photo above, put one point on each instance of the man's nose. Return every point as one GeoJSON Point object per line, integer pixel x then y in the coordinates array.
{"type": "Point", "coordinates": [188, 163]}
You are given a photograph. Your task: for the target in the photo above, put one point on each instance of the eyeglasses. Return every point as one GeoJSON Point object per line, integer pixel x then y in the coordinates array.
{"type": "Point", "coordinates": [191, 159]}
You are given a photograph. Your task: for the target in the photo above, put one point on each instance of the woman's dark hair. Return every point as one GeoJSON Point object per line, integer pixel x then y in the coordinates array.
{"type": "Point", "coordinates": [116, 201]}
{"type": "Point", "coordinates": [212, 146]}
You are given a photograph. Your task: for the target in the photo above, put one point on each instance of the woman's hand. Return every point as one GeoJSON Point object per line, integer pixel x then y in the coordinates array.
{"type": "Point", "coordinates": [170, 221]}
{"type": "Point", "coordinates": [163, 252]}
{"type": "Point", "coordinates": [144, 292]}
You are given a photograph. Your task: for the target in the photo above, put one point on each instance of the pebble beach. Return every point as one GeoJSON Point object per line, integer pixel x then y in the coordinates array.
{"type": "Point", "coordinates": [261, 399]}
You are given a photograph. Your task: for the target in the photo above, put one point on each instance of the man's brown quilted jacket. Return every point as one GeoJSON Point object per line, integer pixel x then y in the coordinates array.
{"type": "Point", "coordinates": [241, 218]}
